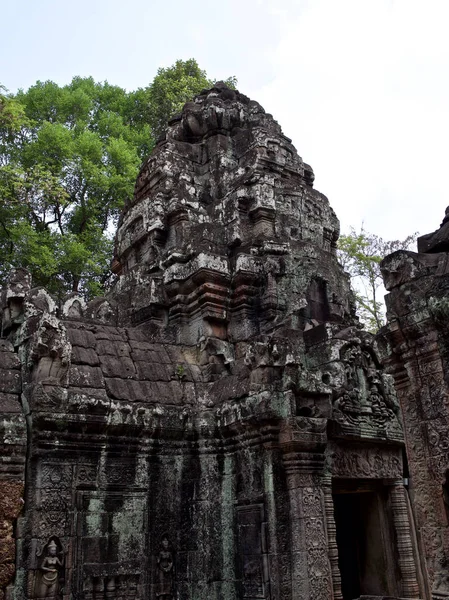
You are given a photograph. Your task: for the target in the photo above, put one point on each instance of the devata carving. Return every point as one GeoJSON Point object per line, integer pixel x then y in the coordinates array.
{"type": "Point", "coordinates": [49, 577]}
{"type": "Point", "coordinates": [224, 392]}
{"type": "Point", "coordinates": [165, 564]}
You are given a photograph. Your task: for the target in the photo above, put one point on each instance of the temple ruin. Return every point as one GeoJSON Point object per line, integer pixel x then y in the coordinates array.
{"type": "Point", "coordinates": [220, 427]}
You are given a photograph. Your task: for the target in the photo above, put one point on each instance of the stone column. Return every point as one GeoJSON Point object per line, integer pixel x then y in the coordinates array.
{"type": "Point", "coordinates": [410, 587]}
{"type": "Point", "coordinates": [310, 569]}
{"type": "Point", "coordinates": [332, 538]}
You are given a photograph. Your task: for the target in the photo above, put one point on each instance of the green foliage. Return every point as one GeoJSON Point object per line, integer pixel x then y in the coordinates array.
{"type": "Point", "coordinates": [180, 372]}
{"type": "Point", "coordinates": [172, 88]}
{"type": "Point", "coordinates": [69, 157]}
{"type": "Point", "coordinates": [360, 254]}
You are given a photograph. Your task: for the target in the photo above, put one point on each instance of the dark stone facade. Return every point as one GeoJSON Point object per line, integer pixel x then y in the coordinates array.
{"type": "Point", "coordinates": [417, 352]}
{"type": "Point", "coordinates": [219, 427]}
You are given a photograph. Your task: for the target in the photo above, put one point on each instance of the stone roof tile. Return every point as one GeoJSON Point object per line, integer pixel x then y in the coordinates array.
{"type": "Point", "coordinates": [113, 334]}
{"type": "Point", "coordinates": [152, 371]}
{"type": "Point", "coordinates": [122, 366]}
{"type": "Point", "coordinates": [105, 347]}
{"type": "Point", "coordinates": [84, 356]}
{"type": "Point", "coordinates": [86, 376]}
{"type": "Point", "coordinates": [81, 337]}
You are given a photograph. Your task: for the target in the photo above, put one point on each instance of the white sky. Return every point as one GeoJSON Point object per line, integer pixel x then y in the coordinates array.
{"type": "Point", "coordinates": [361, 86]}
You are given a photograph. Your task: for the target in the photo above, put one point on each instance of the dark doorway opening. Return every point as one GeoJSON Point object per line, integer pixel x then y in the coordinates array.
{"type": "Point", "coordinates": [364, 540]}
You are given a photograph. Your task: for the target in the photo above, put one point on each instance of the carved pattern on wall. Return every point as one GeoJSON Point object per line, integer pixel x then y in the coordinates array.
{"type": "Point", "coordinates": [311, 572]}
{"type": "Point", "coordinates": [120, 473]}
{"type": "Point", "coordinates": [86, 474]}
{"type": "Point", "coordinates": [422, 390]}
{"type": "Point", "coordinates": [311, 502]}
{"type": "Point", "coordinates": [53, 511]}
{"type": "Point", "coordinates": [56, 474]}
{"type": "Point", "coordinates": [54, 496]}
{"type": "Point", "coordinates": [317, 555]}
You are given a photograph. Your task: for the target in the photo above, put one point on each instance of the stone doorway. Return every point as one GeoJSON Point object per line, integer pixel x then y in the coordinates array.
{"type": "Point", "coordinates": [366, 556]}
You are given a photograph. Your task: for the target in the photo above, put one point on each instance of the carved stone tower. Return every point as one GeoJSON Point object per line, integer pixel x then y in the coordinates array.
{"type": "Point", "coordinates": [219, 427]}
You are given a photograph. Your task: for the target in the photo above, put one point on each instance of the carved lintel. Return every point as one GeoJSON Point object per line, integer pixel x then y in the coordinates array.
{"type": "Point", "coordinates": [360, 462]}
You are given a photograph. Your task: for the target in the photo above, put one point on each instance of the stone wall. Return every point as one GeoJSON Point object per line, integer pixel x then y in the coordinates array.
{"type": "Point", "coordinates": [417, 338]}
{"type": "Point", "coordinates": [13, 440]}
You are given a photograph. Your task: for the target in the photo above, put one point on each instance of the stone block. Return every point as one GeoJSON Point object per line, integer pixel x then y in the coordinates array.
{"type": "Point", "coordinates": [84, 376]}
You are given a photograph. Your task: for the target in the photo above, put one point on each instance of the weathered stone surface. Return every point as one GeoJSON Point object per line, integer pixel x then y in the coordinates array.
{"type": "Point", "coordinates": [13, 438]}
{"type": "Point", "coordinates": [418, 335]}
{"type": "Point", "coordinates": [11, 503]}
{"type": "Point", "coordinates": [213, 427]}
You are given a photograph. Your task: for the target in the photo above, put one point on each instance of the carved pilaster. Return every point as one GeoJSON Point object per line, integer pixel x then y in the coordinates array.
{"type": "Point", "coordinates": [410, 587]}
{"type": "Point", "coordinates": [332, 539]}
{"type": "Point", "coordinates": [311, 574]}
{"type": "Point", "coordinates": [98, 588]}
{"type": "Point", "coordinates": [110, 589]}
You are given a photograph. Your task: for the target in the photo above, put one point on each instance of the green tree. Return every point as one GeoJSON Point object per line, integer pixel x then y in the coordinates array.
{"type": "Point", "coordinates": [172, 88]}
{"type": "Point", "coordinates": [69, 157]}
{"type": "Point", "coordinates": [360, 254]}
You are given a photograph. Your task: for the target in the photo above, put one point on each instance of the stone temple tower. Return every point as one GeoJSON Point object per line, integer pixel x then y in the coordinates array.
{"type": "Point", "coordinates": [219, 427]}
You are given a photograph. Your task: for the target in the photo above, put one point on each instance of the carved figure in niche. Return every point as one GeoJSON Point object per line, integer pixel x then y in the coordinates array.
{"type": "Point", "coordinates": [48, 578]}
{"type": "Point", "coordinates": [165, 567]}
{"type": "Point", "coordinates": [349, 403]}
{"type": "Point", "coordinates": [380, 410]}
{"type": "Point", "coordinates": [351, 361]}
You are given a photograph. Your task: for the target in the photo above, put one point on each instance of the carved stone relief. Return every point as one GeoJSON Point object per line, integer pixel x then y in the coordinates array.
{"type": "Point", "coordinates": [165, 589]}
{"type": "Point", "coordinates": [365, 463]}
{"type": "Point", "coordinates": [367, 399]}
{"type": "Point", "coordinates": [47, 580]}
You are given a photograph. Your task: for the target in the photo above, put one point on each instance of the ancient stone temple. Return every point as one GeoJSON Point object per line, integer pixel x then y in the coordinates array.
{"type": "Point", "coordinates": [220, 427]}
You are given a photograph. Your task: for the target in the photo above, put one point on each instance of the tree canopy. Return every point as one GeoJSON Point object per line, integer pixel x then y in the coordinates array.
{"type": "Point", "coordinates": [172, 88]}
{"type": "Point", "coordinates": [360, 253]}
{"type": "Point", "coordinates": [69, 157]}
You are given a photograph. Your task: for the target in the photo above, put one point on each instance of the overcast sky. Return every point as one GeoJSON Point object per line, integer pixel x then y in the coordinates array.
{"type": "Point", "coordinates": [361, 86]}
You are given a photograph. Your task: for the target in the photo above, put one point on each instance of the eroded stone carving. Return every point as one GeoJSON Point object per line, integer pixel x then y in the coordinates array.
{"type": "Point", "coordinates": [165, 565]}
